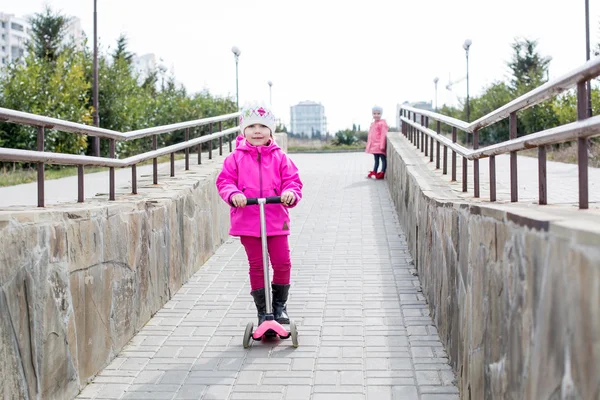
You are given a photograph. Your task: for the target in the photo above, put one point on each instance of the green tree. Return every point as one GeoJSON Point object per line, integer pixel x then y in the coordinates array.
{"type": "Point", "coordinates": [528, 67]}
{"type": "Point", "coordinates": [52, 89]}
{"type": "Point", "coordinates": [48, 31]}
{"type": "Point", "coordinates": [494, 97]}
{"type": "Point", "coordinates": [345, 137]}
{"type": "Point", "coordinates": [530, 70]}
{"type": "Point", "coordinates": [121, 52]}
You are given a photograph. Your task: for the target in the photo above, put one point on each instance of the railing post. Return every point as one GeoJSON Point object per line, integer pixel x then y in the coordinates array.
{"type": "Point", "coordinates": [411, 132]}
{"type": "Point", "coordinates": [464, 174]}
{"type": "Point", "coordinates": [476, 165]}
{"type": "Point", "coordinates": [200, 149]}
{"type": "Point", "coordinates": [424, 143]}
{"type": "Point", "coordinates": [437, 154]}
{"type": "Point", "coordinates": [430, 147]}
{"type": "Point", "coordinates": [111, 170]}
{"type": "Point", "coordinates": [542, 182]}
{"type": "Point", "coordinates": [492, 178]}
{"type": "Point", "coordinates": [210, 142]}
{"type": "Point", "coordinates": [40, 167]}
{"type": "Point", "coordinates": [187, 149]}
{"type": "Point", "coordinates": [453, 155]}
{"type": "Point", "coordinates": [514, 188]}
{"type": "Point", "coordinates": [220, 140]}
{"type": "Point", "coordinates": [134, 179]}
{"type": "Point", "coordinates": [80, 183]}
{"type": "Point", "coordinates": [582, 147]}
{"type": "Point", "coordinates": [422, 124]}
{"type": "Point", "coordinates": [154, 162]}
{"type": "Point", "coordinates": [172, 164]}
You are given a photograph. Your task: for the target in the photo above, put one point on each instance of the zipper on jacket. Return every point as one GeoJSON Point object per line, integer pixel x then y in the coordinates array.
{"type": "Point", "coordinates": [258, 158]}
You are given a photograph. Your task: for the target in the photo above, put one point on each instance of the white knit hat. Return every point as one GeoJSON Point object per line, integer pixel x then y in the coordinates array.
{"type": "Point", "coordinates": [256, 114]}
{"type": "Point", "coordinates": [377, 108]}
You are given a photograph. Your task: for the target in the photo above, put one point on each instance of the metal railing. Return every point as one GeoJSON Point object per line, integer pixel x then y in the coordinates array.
{"type": "Point", "coordinates": [42, 158]}
{"type": "Point", "coordinates": [423, 137]}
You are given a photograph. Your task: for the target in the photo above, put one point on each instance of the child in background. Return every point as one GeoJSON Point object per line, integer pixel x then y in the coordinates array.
{"type": "Point", "coordinates": [376, 143]}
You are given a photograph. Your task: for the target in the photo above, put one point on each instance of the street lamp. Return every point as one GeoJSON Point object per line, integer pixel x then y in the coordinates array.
{"type": "Point", "coordinates": [270, 98]}
{"type": "Point", "coordinates": [95, 116]}
{"type": "Point", "coordinates": [587, 52]}
{"type": "Point", "coordinates": [236, 52]}
{"type": "Point", "coordinates": [466, 46]}
{"type": "Point", "coordinates": [435, 81]}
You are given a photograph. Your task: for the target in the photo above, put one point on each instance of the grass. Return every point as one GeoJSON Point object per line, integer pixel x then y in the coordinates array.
{"type": "Point", "coordinates": [311, 146]}
{"type": "Point", "coordinates": [20, 176]}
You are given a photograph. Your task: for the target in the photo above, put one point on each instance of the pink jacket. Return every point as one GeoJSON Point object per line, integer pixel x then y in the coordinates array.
{"type": "Point", "coordinates": [258, 172]}
{"type": "Point", "coordinates": [376, 140]}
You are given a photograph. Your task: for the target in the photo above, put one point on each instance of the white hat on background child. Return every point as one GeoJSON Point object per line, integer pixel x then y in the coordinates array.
{"type": "Point", "coordinates": [377, 108]}
{"type": "Point", "coordinates": [256, 113]}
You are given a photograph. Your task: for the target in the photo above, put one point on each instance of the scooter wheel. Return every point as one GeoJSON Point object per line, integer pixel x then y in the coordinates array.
{"type": "Point", "coordinates": [248, 334]}
{"type": "Point", "coordinates": [294, 334]}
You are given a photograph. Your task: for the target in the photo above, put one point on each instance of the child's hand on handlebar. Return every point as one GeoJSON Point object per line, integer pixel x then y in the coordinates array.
{"type": "Point", "coordinates": [288, 198]}
{"type": "Point", "coordinates": [238, 200]}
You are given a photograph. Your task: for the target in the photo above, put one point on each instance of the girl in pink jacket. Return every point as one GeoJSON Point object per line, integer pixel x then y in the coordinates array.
{"type": "Point", "coordinates": [259, 168]}
{"type": "Point", "coordinates": [376, 142]}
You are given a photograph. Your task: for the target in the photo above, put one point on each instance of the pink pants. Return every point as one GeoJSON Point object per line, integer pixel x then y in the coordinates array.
{"type": "Point", "coordinates": [279, 254]}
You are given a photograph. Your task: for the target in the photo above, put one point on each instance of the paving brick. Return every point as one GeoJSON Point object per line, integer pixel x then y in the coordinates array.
{"type": "Point", "coordinates": [364, 326]}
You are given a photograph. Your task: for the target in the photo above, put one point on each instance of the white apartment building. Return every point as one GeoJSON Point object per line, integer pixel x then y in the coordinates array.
{"type": "Point", "coordinates": [309, 118]}
{"type": "Point", "coordinates": [144, 65]}
{"type": "Point", "coordinates": [75, 33]}
{"type": "Point", "coordinates": [14, 33]}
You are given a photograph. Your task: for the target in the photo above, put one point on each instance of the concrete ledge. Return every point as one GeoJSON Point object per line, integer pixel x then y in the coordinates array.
{"type": "Point", "coordinates": [79, 280]}
{"type": "Point", "coordinates": [513, 288]}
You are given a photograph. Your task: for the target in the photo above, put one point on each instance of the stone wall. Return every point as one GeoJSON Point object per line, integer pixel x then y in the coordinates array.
{"type": "Point", "coordinates": [79, 280]}
{"type": "Point", "coordinates": [514, 289]}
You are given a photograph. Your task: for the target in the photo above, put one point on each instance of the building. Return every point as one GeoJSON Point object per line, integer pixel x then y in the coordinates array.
{"type": "Point", "coordinates": [74, 34]}
{"type": "Point", "coordinates": [14, 33]}
{"type": "Point", "coordinates": [308, 118]}
{"type": "Point", "coordinates": [144, 65]}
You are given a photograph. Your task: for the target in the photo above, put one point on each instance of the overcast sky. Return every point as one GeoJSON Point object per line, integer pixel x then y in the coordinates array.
{"type": "Point", "coordinates": [347, 55]}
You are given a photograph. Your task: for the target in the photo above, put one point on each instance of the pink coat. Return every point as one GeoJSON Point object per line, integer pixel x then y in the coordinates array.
{"type": "Point", "coordinates": [376, 140]}
{"type": "Point", "coordinates": [258, 172]}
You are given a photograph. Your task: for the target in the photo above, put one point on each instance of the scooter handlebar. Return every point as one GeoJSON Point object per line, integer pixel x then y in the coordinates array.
{"type": "Point", "coordinates": [268, 200]}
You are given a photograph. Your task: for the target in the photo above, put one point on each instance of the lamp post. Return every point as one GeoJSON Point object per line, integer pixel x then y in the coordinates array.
{"type": "Point", "coordinates": [587, 53]}
{"type": "Point", "coordinates": [466, 46]}
{"type": "Point", "coordinates": [236, 52]}
{"type": "Point", "coordinates": [95, 116]}
{"type": "Point", "coordinates": [270, 98]}
{"type": "Point", "coordinates": [435, 82]}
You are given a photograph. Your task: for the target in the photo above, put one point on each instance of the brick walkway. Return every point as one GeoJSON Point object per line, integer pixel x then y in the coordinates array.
{"type": "Point", "coordinates": [364, 326]}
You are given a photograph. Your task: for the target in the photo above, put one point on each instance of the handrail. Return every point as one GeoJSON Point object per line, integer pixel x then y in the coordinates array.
{"type": "Point", "coordinates": [587, 71]}
{"type": "Point", "coordinates": [463, 151]}
{"type": "Point", "coordinates": [457, 123]}
{"type": "Point", "coordinates": [42, 157]}
{"type": "Point", "coordinates": [589, 127]}
{"type": "Point", "coordinates": [580, 131]}
{"type": "Point", "coordinates": [24, 118]}
{"type": "Point", "coordinates": [16, 155]}
{"type": "Point", "coordinates": [178, 126]}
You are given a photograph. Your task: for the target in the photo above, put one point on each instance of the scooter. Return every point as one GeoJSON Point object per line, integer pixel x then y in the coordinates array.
{"type": "Point", "coordinates": [270, 327]}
